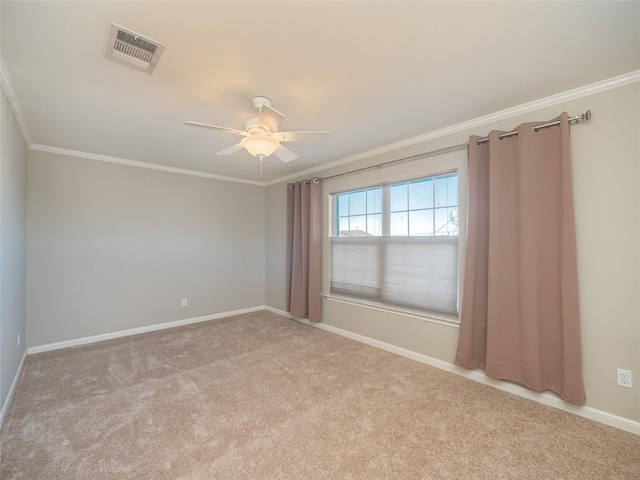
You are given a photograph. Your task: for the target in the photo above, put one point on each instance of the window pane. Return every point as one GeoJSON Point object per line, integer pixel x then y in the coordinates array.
{"type": "Point", "coordinates": [343, 204]}
{"type": "Point", "coordinates": [452, 227]}
{"type": "Point", "coordinates": [398, 197]}
{"type": "Point", "coordinates": [398, 223]}
{"type": "Point", "coordinates": [441, 221]}
{"type": "Point", "coordinates": [421, 194]}
{"type": "Point", "coordinates": [343, 227]}
{"type": "Point", "coordinates": [430, 193]}
{"type": "Point", "coordinates": [358, 203]}
{"type": "Point", "coordinates": [453, 189]}
{"type": "Point", "coordinates": [441, 192]}
{"type": "Point", "coordinates": [358, 226]}
{"type": "Point", "coordinates": [421, 223]}
{"type": "Point", "coordinates": [374, 224]}
{"type": "Point", "coordinates": [374, 200]}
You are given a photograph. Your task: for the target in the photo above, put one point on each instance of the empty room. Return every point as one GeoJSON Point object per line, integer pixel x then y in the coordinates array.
{"type": "Point", "coordinates": [319, 240]}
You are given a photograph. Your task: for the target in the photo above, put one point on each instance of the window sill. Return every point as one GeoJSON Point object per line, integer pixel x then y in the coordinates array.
{"type": "Point", "coordinates": [440, 319]}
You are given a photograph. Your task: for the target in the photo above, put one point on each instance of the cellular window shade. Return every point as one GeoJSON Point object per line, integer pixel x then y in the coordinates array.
{"type": "Point", "coordinates": [421, 272]}
{"type": "Point", "coordinates": [356, 266]}
{"type": "Point", "coordinates": [415, 272]}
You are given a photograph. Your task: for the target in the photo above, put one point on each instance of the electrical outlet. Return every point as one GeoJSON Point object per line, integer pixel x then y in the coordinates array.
{"type": "Point", "coordinates": [624, 378]}
{"type": "Point", "coordinates": [184, 302]}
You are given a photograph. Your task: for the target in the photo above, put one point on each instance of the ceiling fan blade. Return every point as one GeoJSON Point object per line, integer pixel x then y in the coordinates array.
{"type": "Point", "coordinates": [310, 136]}
{"type": "Point", "coordinates": [284, 154]}
{"type": "Point", "coordinates": [231, 150]}
{"type": "Point", "coordinates": [215, 127]}
{"type": "Point", "coordinates": [270, 118]}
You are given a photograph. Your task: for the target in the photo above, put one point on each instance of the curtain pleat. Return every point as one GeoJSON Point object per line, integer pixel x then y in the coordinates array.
{"type": "Point", "coordinates": [520, 318]}
{"type": "Point", "coordinates": [304, 249]}
{"type": "Point", "coordinates": [291, 193]}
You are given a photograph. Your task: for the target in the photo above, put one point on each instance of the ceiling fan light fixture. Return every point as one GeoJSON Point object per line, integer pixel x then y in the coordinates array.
{"type": "Point", "coordinates": [258, 145]}
{"type": "Point", "coordinates": [261, 137]}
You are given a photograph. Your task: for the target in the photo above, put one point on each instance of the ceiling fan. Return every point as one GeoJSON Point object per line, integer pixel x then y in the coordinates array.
{"type": "Point", "coordinates": [261, 135]}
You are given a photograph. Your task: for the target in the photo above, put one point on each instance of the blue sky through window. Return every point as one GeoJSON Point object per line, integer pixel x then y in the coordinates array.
{"type": "Point", "coordinates": [423, 207]}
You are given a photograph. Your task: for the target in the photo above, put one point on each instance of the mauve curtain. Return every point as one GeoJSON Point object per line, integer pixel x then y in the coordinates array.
{"type": "Point", "coordinates": [304, 249]}
{"type": "Point", "coordinates": [520, 319]}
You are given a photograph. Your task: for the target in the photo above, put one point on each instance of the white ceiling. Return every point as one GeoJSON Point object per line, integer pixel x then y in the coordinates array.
{"type": "Point", "coordinates": [372, 73]}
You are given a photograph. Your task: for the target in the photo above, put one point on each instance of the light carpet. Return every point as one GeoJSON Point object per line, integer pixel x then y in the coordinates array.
{"type": "Point", "coordinates": [259, 396]}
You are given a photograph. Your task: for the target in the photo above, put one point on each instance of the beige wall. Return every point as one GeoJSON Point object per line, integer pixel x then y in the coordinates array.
{"type": "Point", "coordinates": [113, 247]}
{"type": "Point", "coordinates": [606, 154]}
{"type": "Point", "coordinates": [13, 219]}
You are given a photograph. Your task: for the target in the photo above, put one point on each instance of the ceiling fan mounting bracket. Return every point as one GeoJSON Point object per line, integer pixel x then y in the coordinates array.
{"type": "Point", "coordinates": [258, 102]}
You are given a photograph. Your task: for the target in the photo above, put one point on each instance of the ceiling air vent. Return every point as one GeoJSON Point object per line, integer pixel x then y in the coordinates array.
{"type": "Point", "coordinates": [133, 49]}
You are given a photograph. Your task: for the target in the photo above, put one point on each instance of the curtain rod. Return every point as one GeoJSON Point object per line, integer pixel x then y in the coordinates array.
{"type": "Point", "coordinates": [583, 116]}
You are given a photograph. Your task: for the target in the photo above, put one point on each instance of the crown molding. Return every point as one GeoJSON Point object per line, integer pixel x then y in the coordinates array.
{"type": "Point", "coordinates": [7, 86]}
{"type": "Point", "coordinates": [608, 84]}
{"type": "Point", "coordinates": [136, 163]}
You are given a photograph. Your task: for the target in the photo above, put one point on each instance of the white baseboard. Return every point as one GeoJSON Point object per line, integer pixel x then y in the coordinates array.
{"type": "Point", "coordinates": [478, 376]}
{"type": "Point", "coordinates": [12, 389]}
{"type": "Point", "coordinates": [135, 331]}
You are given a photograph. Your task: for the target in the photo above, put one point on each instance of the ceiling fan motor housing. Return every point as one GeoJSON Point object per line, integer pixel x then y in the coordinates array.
{"type": "Point", "coordinates": [251, 127]}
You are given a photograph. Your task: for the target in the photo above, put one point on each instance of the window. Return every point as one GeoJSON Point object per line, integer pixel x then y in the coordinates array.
{"type": "Point", "coordinates": [359, 213]}
{"type": "Point", "coordinates": [398, 244]}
